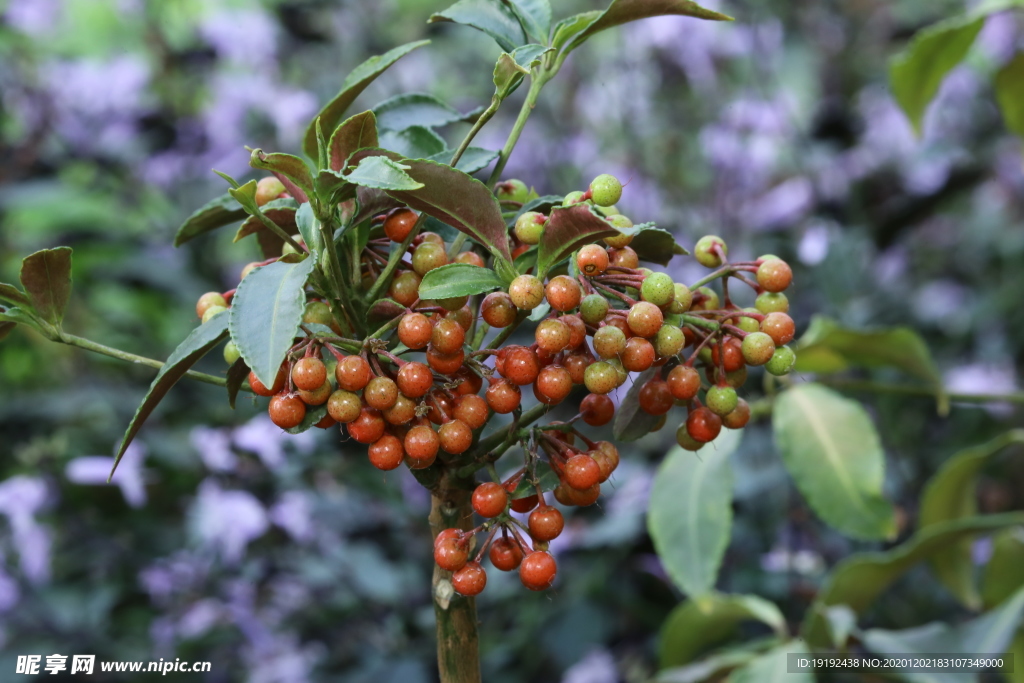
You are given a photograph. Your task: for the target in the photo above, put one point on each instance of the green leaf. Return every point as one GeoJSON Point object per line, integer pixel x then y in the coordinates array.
{"type": "Point", "coordinates": [655, 245]}
{"type": "Point", "coordinates": [625, 11]}
{"type": "Point", "coordinates": [827, 348]}
{"type": "Point", "coordinates": [630, 422]}
{"type": "Point", "coordinates": [495, 19]}
{"type": "Point", "coordinates": [216, 213]}
{"type": "Point", "coordinates": [354, 84]}
{"type": "Point", "coordinates": [859, 579]}
{"type": "Point", "coordinates": [356, 132]}
{"type": "Point", "coordinates": [383, 174]}
{"type": "Point", "coordinates": [989, 634]}
{"type": "Point", "coordinates": [720, 662]}
{"type": "Point", "coordinates": [568, 28]}
{"type": "Point", "coordinates": [17, 316]}
{"type": "Point", "coordinates": [1003, 576]}
{"type": "Point", "coordinates": [830, 447]}
{"type": "Point", "coordinates": [309, 228]}
{"type": "Point", "coordinates": [237, 374]}
{"type": "Point", "coordinates": [535, 17]}
{"type": "Point", "coordinates": [949, 495]}
{"type": "Point", "coordinates": [289, 169]}
{"type": "Point", "coordinates": [458, 279]}
{"type": "Point", "coordinates": [196, 345]}
{"type": "Point", "coordinates": [773, 667]}
{"type": "Point", "coordinates": [14, 295]}
{"type": "Point", "coordinates": [510, 69]}
{"type": "Point", "coordinates": [265, 315]}
{"type": "Point", "coordinates": [473, 159]}
{"type": "Point", "coordinates": [46, 277]}
{"type": "Point", "coordinates": [568, 229]}
{"type": "Point", "coordinates": [690, 512]}
{"type": "Point", "coordinates": [416, 142]}
{"type": "Point", "coordinates": [414, 109]}
{"type": "Point", "coordinates": [697, 625]}
{"type": "Point", "coordinates": [1009, 83]}
{"type": "Point", "coordinates": [313, 415]}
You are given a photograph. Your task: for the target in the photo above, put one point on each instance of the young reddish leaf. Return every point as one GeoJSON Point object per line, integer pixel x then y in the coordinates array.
{"type": "Point", "coordinates": [567, 230]}
{"type": "Point", "coordinates": [625, 11]}
{"type": "Point", "coordinates": [290, 170]}
{"type": "Point", "coordinates": [356, 132]}
{"type": "Point", "coordinates": [354, 84]}
{"type": "Point", "coordinates": [372, 201]}
{"type": "Point", "coordinates": [14, 295]}
{"type": "Point", "coordinates": [216, 213]}
{"type": "Point", "coordinates": [46, 277]}
{"type": "Point", "coordinates": [196, 345]}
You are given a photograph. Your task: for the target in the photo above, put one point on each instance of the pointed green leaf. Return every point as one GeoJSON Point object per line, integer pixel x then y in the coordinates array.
{"type": "Point", "coordinates": [46, 277]}
{"type": "Point", "coordinates": [354, 133]}
{"type": "Point", "coordinates": [1009, 83]}
{"type": "Point", "coordinates": [495, 19]}
{"type": "Point", "coordinates": [472, 160]}
{"type": "Point", "coordinates": [690, 512]}
{"type": "Point", "coordinates": [14, 295]}
{"type": "Point", "coordinates": [458, 279]}
{"type": "Point", "coordinates": [196, 345]}
{"type": "Point", "coordinates": [415, 142]}
{"type": "Point", "coordinates": [290, 170]}
{"type": "Point", "coordinates": [570, 27]}
{"type": "Point", "coordinates": [1003, 576]}
{"type": "Point", "coordinates": [697, 625]}
{"type": "Point", "coordinates": [830, 447]}
{"type": "Point", "coordinates": [859, 579]}
{"type": "Point", "coordinates": [951, 494]}
{"type": "Point", "coordinates": [414, 109]}
{"type": "Point", "coordinates": [773, 667]}
{"type": "Point", "coordinates": [625, 11]}
{"type": "Point", "coordinates": [568, 229]}
{"type": "Point", "coordinates": [265, 315]}
{"type": "Point", "coordinates": [383, 174]}
{"type": "Point", "coordinates": [630, 422]}
{"type": "Point", "coordinates": [654, 245]}
{"type": "Point", "coordinates": [535, 17]}
{"type": "Point", "coordinates": [237, 375]}
{"type": "Point", "coordinates": [309, 228]}
{"type": "Point", "coordinates": [364, 74]}
{"type": "Point", "coordinates": [547, 478]}
{"type": "Point", "coordinates": [216, 213]}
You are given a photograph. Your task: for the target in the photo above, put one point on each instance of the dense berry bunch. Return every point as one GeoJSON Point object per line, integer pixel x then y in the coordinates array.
{"type": "Point", "coordinates": [422, 389]}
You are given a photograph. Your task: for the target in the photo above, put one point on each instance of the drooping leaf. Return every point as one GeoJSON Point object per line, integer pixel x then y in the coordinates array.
{"type": "Point", "coordinates": [265, 315]}
{"type": "Point", "coordinates": [237, 374]}
{"type": "Point", "coordinates": [313, 415]}
{"type": "Point", "coordinates": [414, 109]}
{"type": "Point", "coordinates": [570, 27]}
{"type": "Point", "coordinates": [830, 447]}
{"type": "Point", "coordinates": [630, 422]}
{"type": "Point", "coordinates": [699, 624]}
{"type": "Point", "coordinates": [289, 169]}
{"type": "Point", "coordinates": [383, 174]}
{"type": "Point", "coordinates": [354, 84]}
{"type": "Point", "coordinates": [495, 19]}
{"type": "Point", "coordinates": [1003, 576]}
{"type": "Point", "coordinates": [568, 229]}
{"type": "Point", "coordinates": [17, 316]}
{"type": "Point", "coordinates": [46, 277]}
{"type": "Point", "coordinates": [625, 11]}
{"type": "Point", "coordinates": [690, 512]}
{"type": "Point", "coordinates": [535, 17]}
{"type": "Point", "coordinates": [989, 634]}
{"type": "Point", "coordinates": [1009, 83]}
{"type": "Point", "coordinates": [415, 142]}
{"type": "Point", "coordinates": [718, 663]}
{"type": "Point", "coordinates": [951, 494]}
{"type": "Point", "coordinates": [458, 279]}
{"type": "Point", "coordinates": [773, 667]}
{"type": "Point", "coordinates": [216, 213]}
{"type": "Point", "coordinates": [827, 348]}
{"type": "Point", "coordinates": [356, 132]}
{"type": "Point", "coordinates": [654, 245]}
{"type": "Point", "coordinates": [473, 159]}
{"type": "Point", "coordinates": [196, 345]}
{"type": "Point", "coordinates": [859, 579]}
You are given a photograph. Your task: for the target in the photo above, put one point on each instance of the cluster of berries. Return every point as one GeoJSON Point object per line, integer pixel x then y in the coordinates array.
{"type": "Point", "coordinates": [607, 317]}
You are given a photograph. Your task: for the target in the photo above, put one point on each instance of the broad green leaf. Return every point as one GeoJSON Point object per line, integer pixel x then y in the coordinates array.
{"type": "Point", "coordinates": [547, 478]}
{"type": "Point", "coordinates": [570, 27]}
{"type": "Point", "coordinates": [458, 279]}
{"type": "Point", "coordinates": [773, 667]}
{"type": "Point", "coordinates": [625, 11]}
{"type": "Point", "coordinates": [989, 634]}
{"type": "Point", "coordinates": [859, 579]}
{"type": "Point", "coordinates": [416, 142]}
{"type": "Point", "coordinates": [196, 345]}
{"type": "Point", "coordinates": [830, 447]}
{"type": "Point", "coordinates": [364, 74]}
{"type": "Point", "coordinates": [630, 422]}
{"type": "Point", "coordinates": [655, 245]}
{"type": "Point", "coordinates": [14, 295]}
{"type": "Point", "coordinates": [414, 109]}
{"type": "Point", "coordinates": [313, 415]}
{"type": "Point", "coordinates": [1003, 575]}
{"type": "Point", "coordinates": [290, 170]}
{"type": "Point", "coordinates": [237, 374]}
{"type": "Point", "coordinates": [1016, 648]}
{"type": "Point", "coordinates": [265, 315]}
{"type": "Point", "coordinates": [568, 229]}
{"type": "Point", "coordinates": [332, 188]}
{"type": "Point", "coordinates": [472, 160]}
{"type": "Point", "coordinates": [46, 277]}
{"type": "Point", "coordinates": [1009, 83]}
{"type": "Point", "coordinates": [535, 17]}
{"type": "Point", "coordinates": [216, 213]}
{"type": "Point", "coordinates": [826, 348]}
{"type": "Point", "coordinates": [718, 663]}
{"type": "Point", "coordinates": [689, 515]}
{"type": "Point", "coordinates": [309, 228]}
{"type": "Point", "coordinates": [949, 495]}
{"type": "Point", "coordinates": [697, 625]}
{"type": "Point", "coordinates": [383, 174]}
{"type": "Point", "coordinates": [495, 19]}
{"type": "Point", "coordinates": [356, 132]}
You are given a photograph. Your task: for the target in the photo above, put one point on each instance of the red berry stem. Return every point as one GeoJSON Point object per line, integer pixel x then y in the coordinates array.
{"type": "Point", "coordinates": [618, 295]}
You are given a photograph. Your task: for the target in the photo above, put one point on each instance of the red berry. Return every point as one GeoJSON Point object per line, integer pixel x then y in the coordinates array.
{"type": "Point", "coordinates": [352, 373]}
{"type": "Point", "coordinates": [780, 327]}
{"type": "Point", "coordinates": [450, 553]}
{"type": "Point", "coordinates": [386, 453]}
{"type": "Point", "coordinates": [563, 293]}
{"type": "Point", "coordinates": [739, 417]}
{"type": "Point", "coordinates": [421, 444]}
{"type": "Point", "coordinates": [470, 257]}
{"type": "Point", "coordinates": [472, 410]}
{"type": "Point", "coordinates": [503, 397]}
{"type": "Point", "coordinates": [553, 384]}
{"type": "Point", "coordinates": [553, 335]}
{"type": "Point", "coordinates": [287, 410]}
{"type": "Point", "coordinates": [644, 318]}
{"type": "Point", "coordinates": [638, 354]}
{"type": "Point", "coordinates": [455, 437]}
{"type": "Point", "coordinates": [415, 379]}
{"type": "Point", "coordinates": [445, 364]}
{"type": "Point", "coordinates": [656, 398]}
{"type": "Point", "coordinates": [546, 523]}
{"type": "Point", "coordinates": [537, 571]}
{"type": "Point", "coordinates": [415, 330]}
{"type": "Point", "coordinates": [447, 337]}
{"type": "Point", "coordinates": [498, 310]}
{"type": "Point", "coordinates": [577, 364]}
{"type": "Point", "coordinates": [368, 427]}
{"type": "Point", "coordinates": [623, 257]}
{"type": "Point", "coordinates": [582, 472]}
{"type": "Point", "coordinates": [399, 224]}
{"type": "Point", "coordinates": [506, 554]}
{"type": "Point", "coordinates": [405, 288]}
{"type": "Point", "coordinates": [774, 275]}
{"type": "Point", "coordinates": [731, 354]}
{"type": "Point", "coordinates": [402, 412]}
{"type": "Point", "coordinates": [259, 388]}
{"type": "Point", "coordinates": [597, 410]}
{"type": "Point", "coordinates": [520, 365]}
{"type": "Point", "coordinates": [381, 393]}
{"type": "Point", "coordinates": [592, 260]}
{"type": "Point", "coordinates": [470, 580]}
{"type": "Point", "coordinates": [703, 425]}
{"type": "Point", "coordinates": [344, 406]}
{"type": "Point", "coordinates": [489, 499]}
{"type": "Point", "coordinates": [684, 382]}
{"type": "Point", "coordinates": [577, 330]}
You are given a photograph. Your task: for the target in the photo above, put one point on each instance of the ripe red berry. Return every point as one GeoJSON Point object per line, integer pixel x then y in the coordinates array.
{"type": "Point", "coordinates": [455, 437]}
{"type": "Point", "coordinates": [470, 580]}
{"type": "Point", "coordinates": [684, 382]}
{"type": "Point", "coordinates": [472, 410]}
{"type": "Point", "coordinates": [577, 364]}
{"type": "Point", "coordinates": [703, 425]}
{"type": "Point", "coordinates": [520, 365]}
{"type": "Point", "coordinates": [428, 256]}
{"type": "Point", "coordinates": [582, 472]}
{"type": "Point", "coordinates": [656, 398]}
{"type": "Point", "coordinates": [553, 384]}
{"type": "Point", "coordinates": [489, 499]}
{"type": "Point", "coordinates": [445, 364]}
{"type": "Point", "coordinates": [503, 397]}
{"type": "Point", "coordinates": [386, 453]}
{"type": "Point", "coordinates": [609, 341]}
{"type": "Point", "coordinates": [470, 257]}
{"type": "Point", "coordinates": [450, 553]}
{"type": "Point", "coordinates": [623, 257]}
{"type": "Point", "coordinates": [352, 373]}
{"type": "Point", "coordinates": [405, 288]}
{"type": "Point", "coordinates": [368, 427]}
{"type": "Point", "coordinates": [260, 389]}
{"type": "Point", "coordinates": [415, 330]}
{"type": "Point", "coordinates": [318, 396]}
{"type": "Point", "coordinates": [415, 379]}
{"type": "Point", "coordinates": [638, 355]}
{"type": "Point", "coordinates": [606, 455]}
{"type": "Point", "coordinates": [421, 443]}
{"type": "Point", "coordinates": [597, 410]}
{"type": "Point", "coordinates": [208, 301]}
{"type": "Point", "coordinates": [567, 495]}
{"type": "Point", "coordinates": [287, 410]}
{"type": "Point", "coordinates": [774, 275]}
{"type": "Point", "coordinates": [498, 310]}
{"type": "Point", "coordinates": [527, 292]}
{"type": "Point", "coordinates": [563, 293]}
{"type": "Point", "coordinates": [780, 327]}
{"type": "Point", "coordinates": [537, 571]}
{"type": "Point", "coordinates": [731, 354]}
{"type": "Point", "coordinates": [344, 406]}
{"type": "Point", "coordinates": [402, 412]}
{"type": "Point", "coordinates": [440, 407]}
{"type": "Point", "coordinates": [552, 335]}
{"type": "Point", "coordinates": [399, 224]}
{"type": "Point", "coordinates": [739, 417]}
{"type": "Point", "coordinates": [546, 523]}
{"type": "Point", "coordinates": [469, 382]}
{"type": "Point", "coordinates": [592, 260]}
{"type": "Point", "coordinates": [505, 554]}
{"type": "Point", "coordinates": [447, 337]}
{"type": "Point", "coordinates": [686, 441]}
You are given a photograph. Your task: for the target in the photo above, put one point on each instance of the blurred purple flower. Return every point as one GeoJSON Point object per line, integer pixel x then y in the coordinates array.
{"type": "Point", "coordinates": [93, 470]}
{"type": "Point", "coordinates": [780, 207]}
{"type": "Point", "coordinates": [244, 37]}
{"type": "Point", "coordinates": [284, 660]}
{"type": "Point", "coordinates": [9, 592]}
{"type": "Point", "coordinates": [813, 247]}
{"type": "Point", "coordinates": [32, 17]}
{"type": "Point", "coordinates": [597, 666]}
{"type": "Point", "coordinates": [943, 302]}
{"type": "Point", "coordinates": [227, 521]}
{"type": "Point", "coordinates": [984, 378]}
{"type": "Point", "coordinates": [293, 513]}
{"type": "Point", "coordinates": [21, 497]}
{"type": "Point", "coordinates": [199, 618]}
{"type": "Point", "coordinates": [267, 440]}
{"type": "Point", "coordinates": [214, 447]}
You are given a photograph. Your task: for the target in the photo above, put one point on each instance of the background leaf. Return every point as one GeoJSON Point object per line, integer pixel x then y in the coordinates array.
{"type": "Point", "coordinates": [624, 11]}
{"type": "Point", "coordinates": [473, 159]}
{"type": "Point", "coordinates": [1009, 83]}
{"type": "Point", "coordinates": [354, 84]}
{"type": "Point", "coordinates": [415, 142]}
{"type": "Point", "coordinates": [46, 277]}
{"type": "Point", "coordinates": [6, 328]}
{"type": "Point", "coordinates": [458, 279]}
{"type": "Point", "coordinates": [414, 109]}
{"type": "Point", "coordinates": [830, 447]}
{"type": "Point", "coordinates": [1003, 576]}
{"type": "Point", "coordinates": [495, 19]}
{"type": "Point", "coordinates": [265, 315]}
{"type": "Point", "coordinates": [568, 229]}
{"type": "Point", "coordinates": [356, 132]}
{"type": "Point", "coordinates": [773, 667]}
{"type": "Point", "coordinates": [383, 174]}
{"type": "Point", "coordinates": [690, 512]}
{"type": "Point", "coordinates": [216, 213]}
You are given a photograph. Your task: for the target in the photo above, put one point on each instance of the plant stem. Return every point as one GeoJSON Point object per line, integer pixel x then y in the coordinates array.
{"type": "Point", "coordinates": [480, 123]}
{"type": "Point", "coordinates": [537, 82]}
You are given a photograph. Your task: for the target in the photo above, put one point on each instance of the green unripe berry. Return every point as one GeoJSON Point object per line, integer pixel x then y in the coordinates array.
{"type": "Point", "coordinates": [600, 378]}
{"type": "Point", "coordinates": [212, 311]}
{"type": "Point", "coordinates": [231, 353]}
{"type": "Point", "coordinates": [594, 309]}
{"type": "Point", "coordinates": [608, 211]}
{"type": "Point", "coordinates": [721, 400]}
{"type": "Point", "coordinates": [621, 373]}
{"type": "Point", "coordinates": [511, 191]}
{"type": "Point", "coordinates": [530, 227]}
{"type": "Point", "coordinates": [771, 302]}
{"type": "Point", "coordinates": [710, 251]}
{"type": "Point", "coordinates": [427, 257]}
{"type": "Point", "coordinates": [658, 288]}
{"type": "Point", "coordinates": [746, 323]}
{"type": "Point", "coordinates": [767, 257]}
{"type": "Point", "coordinates": [573, 198]}
{"type": "Point", "coordinates": [289, 249]}
{"type": "Point", "coordinates": [605, 190]}
{"type": "Point", "coordinates": [609, 341]}
{"type": "Point", "coordinates": [704, 356]}
{"type": "Point", "coordinates": [669, 341]}
{"type": "Point", "coordinates": [620, 222]}
{"type": "Point", "coordinates": [682, 298]}
{"type": "Point", "coordinates": [782, 361]}
{"type": "Point", "coordinates": [758, 348]}
{"type": "Point", "coordinates": [684, 439]}
{"type": "Point", "coordinates": [711, 302]}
